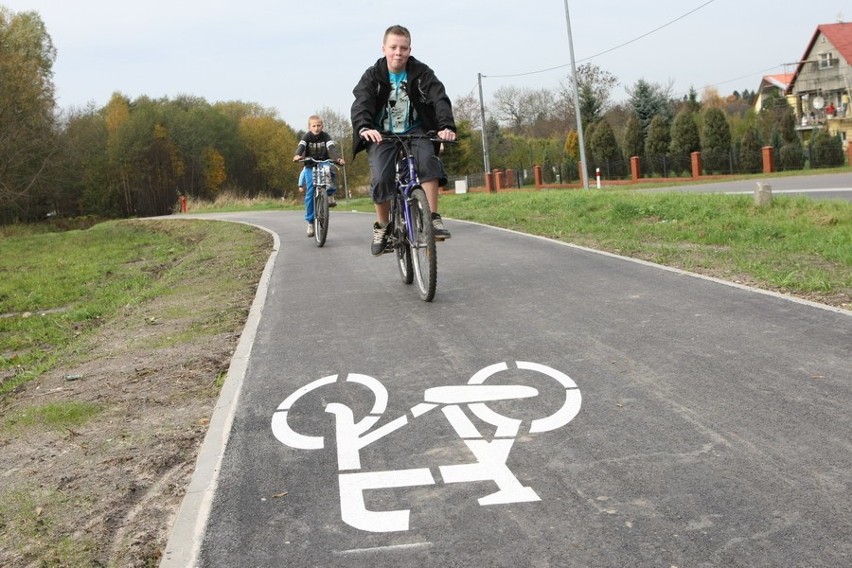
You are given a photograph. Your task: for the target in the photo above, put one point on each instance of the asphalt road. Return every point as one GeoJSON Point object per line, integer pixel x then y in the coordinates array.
{"type": "Point", "coordinates": [553, 407]}
{"type": "Point", "coordinates": [821, 186]}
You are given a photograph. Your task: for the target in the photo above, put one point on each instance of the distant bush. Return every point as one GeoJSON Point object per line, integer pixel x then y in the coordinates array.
{"type": "Point", "coordinates": [826, 150]}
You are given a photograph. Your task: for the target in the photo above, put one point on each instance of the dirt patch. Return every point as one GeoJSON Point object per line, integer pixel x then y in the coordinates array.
{"type": "Point", "coordinates": [105, 493]}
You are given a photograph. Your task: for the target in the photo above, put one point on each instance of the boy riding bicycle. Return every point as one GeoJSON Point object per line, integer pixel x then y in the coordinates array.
{"type": "Point", "coordinates": [400, 94]}
{"type": "Point", "coordinates": [318, 145]}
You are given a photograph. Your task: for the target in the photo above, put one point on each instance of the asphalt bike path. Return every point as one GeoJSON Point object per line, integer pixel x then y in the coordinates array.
{"type": "Point", "coordinates": [553, 406]}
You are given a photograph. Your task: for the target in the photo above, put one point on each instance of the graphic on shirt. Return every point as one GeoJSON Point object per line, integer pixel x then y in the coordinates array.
{"type": "Point", "coordinates": [490, 442]}
{"type": "Point", "coordinates": [399, 115]}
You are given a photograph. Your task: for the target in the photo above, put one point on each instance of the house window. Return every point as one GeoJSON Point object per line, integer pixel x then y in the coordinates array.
{"type": "Point", "coordinates": [825, 60]}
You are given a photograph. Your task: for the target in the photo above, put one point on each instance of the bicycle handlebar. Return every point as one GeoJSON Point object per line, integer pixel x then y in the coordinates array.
{"type": "Point", "coordinates": [313, 161]}
{"type": "Point", "coordinates": [431, 136]}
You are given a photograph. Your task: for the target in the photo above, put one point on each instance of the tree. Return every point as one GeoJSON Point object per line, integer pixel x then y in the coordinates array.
{"type": "Point", "coordinates": [751, 158]}
{"type": "Point", "coordinates": [826, 150]}
{"type": "Point", "coordinates": [83, 176]}
{"type": "Point", "coordinates": [657, 144]}
{"type": "Point", "coordinates": [604, 147]}
{"type": "Point", "coordinates": [594, 91]}
{"type": "Point", "coordinates": [466, 109]}
{"type": "Point", "coordinates": [526, 111]}
{"type": "Point", "coordinates": [649, 100]}
{"type": "Point", "coordinates": [716, 141]}
{"type": "Point", "coordinates": [27, 108]}
{"type": "Point", "coordinates": [268, 141]}
{"type": "Point", "coordinates": [685, 138]}
{"type": "Point", "coordinates": [634, 138]}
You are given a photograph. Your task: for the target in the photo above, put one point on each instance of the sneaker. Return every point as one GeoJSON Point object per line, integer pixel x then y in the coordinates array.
{"type": "Point", "coordinates": [332, 202]}
{"type": "Point", "coordinates": [380, 240]}
{"type": "Point", "coordinates": [438, 229]}
{"type": "Point", "coordinates": [310, 230]}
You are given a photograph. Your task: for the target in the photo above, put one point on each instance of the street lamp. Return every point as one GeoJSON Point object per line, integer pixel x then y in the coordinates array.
{"type": "Point", "coordinates": [583, 172]}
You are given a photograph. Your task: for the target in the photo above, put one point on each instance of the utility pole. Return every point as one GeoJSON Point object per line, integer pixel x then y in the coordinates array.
{"type": "Point", "coordinates": [485, 160]}
{"type": "Point", "coordinates": [583, 169]}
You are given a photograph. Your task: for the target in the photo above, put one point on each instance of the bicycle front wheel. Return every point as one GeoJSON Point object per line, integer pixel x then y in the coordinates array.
{"type": "Point", "coordinates": [402, 248]}
{"type": "Point", "coordinates": [321, 215]}
{"type": "Point", "coordinates": [423, 253]}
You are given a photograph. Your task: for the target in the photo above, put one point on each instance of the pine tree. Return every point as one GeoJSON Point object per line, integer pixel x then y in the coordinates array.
{"type": "Point", "coordinates": [657, 143]}
{"type": "Point", "coordinates": [603, 144]}
{"type": "Point", "coordinates": [716, 141]}
{"type": "Point", "coordinates": [685, 139]}
{"type": "Point", "coordinates": [634, 137]}
{"type": "Point", "coordinates": [751, 160]}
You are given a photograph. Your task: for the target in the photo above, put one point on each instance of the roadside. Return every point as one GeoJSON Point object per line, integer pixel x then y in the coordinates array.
{"type": "Point", "coordinates": [104, 492]}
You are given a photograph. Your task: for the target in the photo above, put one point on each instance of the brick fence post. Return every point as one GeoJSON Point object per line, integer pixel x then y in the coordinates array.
{"type": "Point", "coordinates": [634, 168]}
{"type": "Point", "coordinates": [696, 165]}
{"type": "Point", "coordinates": [537, 176]}
{"type": "Point", "coordinates": [768, 159]}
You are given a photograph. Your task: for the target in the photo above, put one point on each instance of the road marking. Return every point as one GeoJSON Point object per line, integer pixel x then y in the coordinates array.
{"type": "Point", "coordinates": [456, 401]}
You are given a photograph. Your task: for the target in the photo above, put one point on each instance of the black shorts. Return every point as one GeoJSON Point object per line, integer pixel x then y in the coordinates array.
{"type": "Point", "coordinates": [383, 158]}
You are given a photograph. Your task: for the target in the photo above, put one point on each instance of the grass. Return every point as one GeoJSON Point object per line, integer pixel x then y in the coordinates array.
{"type": "Point", "coordinates": [57, 287]}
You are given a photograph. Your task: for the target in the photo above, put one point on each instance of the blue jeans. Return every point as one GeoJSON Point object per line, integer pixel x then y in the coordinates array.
{"type": "Point", "coordinates": [309, 193]}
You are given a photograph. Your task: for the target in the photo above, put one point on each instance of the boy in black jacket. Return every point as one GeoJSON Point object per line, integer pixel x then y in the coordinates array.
{"type": "Point", "coordinates": [400, 94]}
{"type": "Point", "coordinates": [318, 145]}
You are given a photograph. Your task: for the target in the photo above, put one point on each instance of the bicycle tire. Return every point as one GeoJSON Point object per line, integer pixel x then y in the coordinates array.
{"type": "Point", "coordinates": [401, 247]}
{"type": "Point", "coordinates": [423, 251]}
{"type": "Point", "coordinates": [321, 215]}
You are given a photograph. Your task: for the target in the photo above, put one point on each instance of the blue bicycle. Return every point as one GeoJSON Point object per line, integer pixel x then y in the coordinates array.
{"type": "Point", "coordinates": [411, 235]}
{"type": "Point", "coordinates": [321, 175]}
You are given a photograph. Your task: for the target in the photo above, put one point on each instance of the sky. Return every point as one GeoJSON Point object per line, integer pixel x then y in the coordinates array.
{"type": "Point", "coordinates": [297, 58]}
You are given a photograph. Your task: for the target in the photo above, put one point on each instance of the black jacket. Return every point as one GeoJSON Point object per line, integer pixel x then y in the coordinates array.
{"type": "Point", "coordinates": [427, 94]}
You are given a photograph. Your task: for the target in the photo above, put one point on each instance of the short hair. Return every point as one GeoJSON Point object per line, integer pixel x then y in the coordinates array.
{"type": "Point", "coordinates": [397, 30]}
{"type": "Point", "coordinates": [314, 117]}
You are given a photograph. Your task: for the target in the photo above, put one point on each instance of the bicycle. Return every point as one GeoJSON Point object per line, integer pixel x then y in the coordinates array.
{"type": "Point", "coordinates": [321, 176]}
{"type": "Point", "coordinates": [411, 235]}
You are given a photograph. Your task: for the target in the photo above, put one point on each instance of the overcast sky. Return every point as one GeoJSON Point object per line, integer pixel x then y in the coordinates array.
{"type": "Point", "coordinates": [299, 57]}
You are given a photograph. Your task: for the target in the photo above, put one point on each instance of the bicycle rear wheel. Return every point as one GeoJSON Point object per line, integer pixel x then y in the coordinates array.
{"type": "Point", "coordinates": [321, 215]}
{"type": "Point", "coordinates": [423, 253]}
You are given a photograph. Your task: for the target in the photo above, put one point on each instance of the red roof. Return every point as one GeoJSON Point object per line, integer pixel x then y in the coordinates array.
{"type": "Point", "coordinates": [840, 36]}
{"type": "Point", "coordinates": [781, 80]}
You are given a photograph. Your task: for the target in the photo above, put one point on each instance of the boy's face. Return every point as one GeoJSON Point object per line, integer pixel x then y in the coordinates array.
{"type": "Point", "coordinates": [315, 126]}
{"type": "Point", "coordinates": [396, 49]}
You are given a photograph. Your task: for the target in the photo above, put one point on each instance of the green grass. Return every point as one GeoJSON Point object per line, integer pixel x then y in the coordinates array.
{"type": "Point", "coordinates": [57, 287]}
{"type": "Point", "coordinates": [796, 244]}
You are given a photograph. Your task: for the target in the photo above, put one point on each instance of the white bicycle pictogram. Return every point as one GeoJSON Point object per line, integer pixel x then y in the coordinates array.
{"type": "Point", "coordinates": [455, 401]}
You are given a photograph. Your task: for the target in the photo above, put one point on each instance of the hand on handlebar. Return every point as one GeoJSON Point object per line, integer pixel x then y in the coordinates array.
{"type": "Point", "coordinates": [446, 134]}
{"type": "Point", "coordinates": [371, 135]}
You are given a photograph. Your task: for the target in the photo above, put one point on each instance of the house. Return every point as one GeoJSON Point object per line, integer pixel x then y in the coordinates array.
{"type": "Point", "coordinates": [774, 84]}
{"type": "Point", "coordinates": [822, 82]}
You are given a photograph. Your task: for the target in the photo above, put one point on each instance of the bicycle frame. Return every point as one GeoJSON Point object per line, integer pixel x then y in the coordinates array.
{"type": "Point", "coordinates": [411, 236]}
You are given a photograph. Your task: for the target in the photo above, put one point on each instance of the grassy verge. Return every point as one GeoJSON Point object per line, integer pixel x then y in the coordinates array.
{"type": "Point", "coordinates": [56, 287]}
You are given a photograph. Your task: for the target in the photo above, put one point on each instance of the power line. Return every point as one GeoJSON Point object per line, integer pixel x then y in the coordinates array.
{"type": "Point", "coordinates": [682, 16]}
